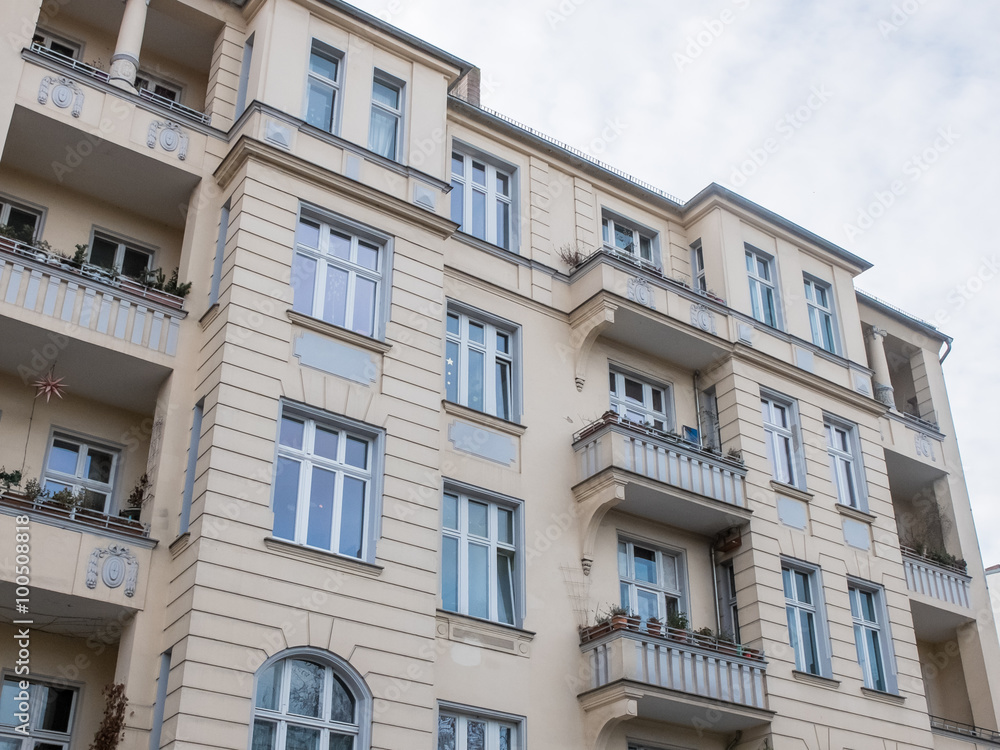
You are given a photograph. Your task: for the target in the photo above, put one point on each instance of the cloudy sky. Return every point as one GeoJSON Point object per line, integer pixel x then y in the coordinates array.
{"type": "Point", "coordinates": [814, 110]}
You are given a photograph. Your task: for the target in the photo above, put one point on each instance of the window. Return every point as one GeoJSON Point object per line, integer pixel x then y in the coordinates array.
{"type": "Point", "coordinates": [80, 466]}
{"type": "Point", "coordinates": [871, 635]}
{"type": "Point", "coordinates": [650, 580]}
{"type": "Point", "coordinates": [806, 634]}
{"type": "Point", "coordinates": [220, 254]}
{"type": "Point", "coordinates": [51, 710]}
{"type": "Point", "coordinates": [187, 496]}
{"type": "Point", "coordinates": [57, 44]}
{"type": "Point", "coordinates": [337, 274]}
{"type": "Point", "coordinates": [323, 485]}
{"type": "Point", "coordinates": [845, 462]}
{"type": "Point", "coordinates": [621, 237]}
{"type": "Point", "coordinates": [323, 87]}
{"type": "Point", "coordinates": [700, 284]}
{"type": "Point", "coordinates": [728, 612]}
{"type": "Point", "coordinates": [781, 441]}
{"type": "Point", "coordinates": [819, 300]}
{"type": "Point", "coordinates": [113, 253]}
{"type": "Point", "coordinates": [480, 568]}
{"type": "Point", "coordinates": [482, 199]}
{"type": "Point", "coordinates": [147, 83]}
{"type": "Point", "coordinates": [310, 700]}
{"type": "Point", "coordinates": [387, 116]}
{"type": "Point", "coordinates": [763, 294]}
{"type": "Point", "coordinates": [640, 401]}
{"type": "Point", "coordinates": [708, 419]}
{"type": "Point", "coordinates": [479, 363]}
{"type": "Point", "coordinates": [461, 731]}
{"type": "Point", "coordinates": [244, 82]}
{"type": "Point", "coordinates": [21, 221]}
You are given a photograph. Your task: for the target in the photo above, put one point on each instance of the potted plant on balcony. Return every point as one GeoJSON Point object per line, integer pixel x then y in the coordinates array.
{"type": "Point", "coordinates": [705, 637]}
{"type": "Point", "coordinates": [677, 626]}
{"type": "Point", "coordinates": [9, 479]}
{"type": "Point", "coordinates": [136, 499]}
{"type": "Point", "coordinates": [725, 642]}
{"type": "Point", "coordinates": [653, 625]}
{"type": "Point", "coordinates": [620, 617]}
{"type": "Point", "coordinates": [68, 500]}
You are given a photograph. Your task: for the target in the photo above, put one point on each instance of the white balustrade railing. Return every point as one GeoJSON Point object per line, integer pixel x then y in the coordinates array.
{"type": "Point", "coordinates": [926, 577]}
{"type": "Point", "coordinates": [615, 442]}
{"type": "Point", "coordinates": [685, 667]}
{"type": "Point", "coordinates": [84, 298]}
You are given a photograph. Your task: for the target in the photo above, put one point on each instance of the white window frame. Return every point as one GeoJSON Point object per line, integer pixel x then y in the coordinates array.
{"type": "Point", "coordinates": [151, 81]}
{"type": "Point", "coordinates": [461, 344]}
{"type": "Point", "coordinates": [123, 244]}
{"type": "Point", "coordinates": [324, 260]}
{"type": "Point", "coordinates": [7, 203]}
{"type": "Point", "coordinates": [611, 223]}
{"type": "Point", "coordinates": [699, 281]}
{"type": "Point", "coordinates": [816, 608]}
{"type": "Point", "coordinates": [493, 720]}
{"type": "Point", "coordinates": [48, 38]}
{"type": "Point", "coordinates": [323, 49]}
{"type": "Point", "coordinates": [729, 616]}
{"type": "Point", "coordinates": [761, 285]}
{"type": "Point", "coordinates": [396, 114]}
{"type": "Point", "coordinates": [629, 585]}
{"type": "Point", "coordinates": [463, 184]}
{"type": "Point", "coordinates": [465, 494]}
{"type": "Point", "coordinates": [846, 466]}
{"type": "Point", "coordinates": [243, 85]}
{"type": "Point", "coordinates": [76, 481]}
{"type": "Point", "coordinates": [777, 437]}
{"type": "Point", "coordinates": [630, 408]}
{"type": "Point", "coordinates": [37, 690]}
{"type": "Point", "coordinates": [820, 314]}
{"type": "Point", "coordinates": [333, 666]}
{"type": "Point", "coordinates": [879, 627]}
{"type": "Point", "coordinates": [306, 459]}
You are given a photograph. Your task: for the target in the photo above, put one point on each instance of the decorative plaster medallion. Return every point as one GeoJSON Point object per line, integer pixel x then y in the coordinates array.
{"type": "Point", "coordinates": [116, 565]}
{"type": "Point", "coordinates": [639, 291]}
{"type": "Point", "coordinates": [63, 93]}
{"type": "Point", "coordinates": [861, 384]}
{"type": "Point", "coordinates": [702, 317]}
{"type": "Point", "coordinates": [924, 446]}
{"type": "Point", "coordinates": [170, 137]}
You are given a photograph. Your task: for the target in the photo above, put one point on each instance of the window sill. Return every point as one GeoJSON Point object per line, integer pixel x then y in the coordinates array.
{"type": "Point", "coordinates": [814, 679]}
{"type": "Point", "coordinates": [881, 695]}
{"type": "Point", "coordinates": [180, 544]}
{"type": "Point", "coordinates": [791, 491]}
{"type": "Point", "coordinates": [328, 329]}
{"type": "Point", "coordinates": [856, 513]}
{"type": "Point", "coordinates": [484, 419]}
{"type": "Point", "coordinates": [474, 631]}
{"type": "Point", "coordinates": [329, 559]}
{"type": "Point", "coordinates": [210, 314]}
{"type": "Point", "coordinates": [486, 246]}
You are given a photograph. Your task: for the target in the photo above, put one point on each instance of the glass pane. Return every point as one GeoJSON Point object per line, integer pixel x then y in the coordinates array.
{"type": "Point", "coordinates": [341, 742]}
{"type": "Point", "coordinates": [633, 390]}
{"type": "Point", "coordinates": [54, 487]}
{"type": "Point", "coordinates": [457, 164]}
{"type": "Point", "coordinates": [135, 263]}
{"type": "Point", "coordinates": [321, 502]}
{"type": "Point", "coordinates": [506, 738]}
{"type": "Point", "coordinates": [503, 225]}
{"type": "Point", "coordinates": [341, 702]}
{"type": "Point", "coordinates": [868, 606]}
{"type": "Point", "coordinates": [503, 343]}
{"type": "Point", "coordinates": [786, 580]}
{"type": "Point", "coordinates": [479, 214]}
{"type": "Point", "coordinates": [803, 589]}
{"type": "Point", "coordinates": [286, 497]}
{"type": "Point", "coordinates": [479, 585]}
{"type": "Point", "coordinates": [669, 564]}
{"type": "Point", "coordinates": [340, 245]}
{"type": "Point", "coordinates": [95, 500]}
{"type": "Point", "coordinates": [302, 738]}
{"type": "Point", "coordinates": [97, 466]}
{"type": "Point", "coordinates": [477, 361]}
{"type": "Point", "coordinates": [645, 248]}
{"type": "Point", "coordinates": [763, 269]}
{"type": "Point", "coordinates": [479, 173]}
{"type": "Point", "coordinates": [505, 526]}
{"type": "Point", "coordinates": [382, 139]}
{"type": "Point", "coordinates": [503, 390]}
{"type": "Point", "coordinates": [503, 184]}
{"type": "Point", "coordinates": [352, 517]}
{"type": "Point", "coordinates": [357, 452]}
{"type": "Point", "coordinates": [23, 223]}
{"type": "Point", "coordinates": [102, 252]}
{"type": "Point", "coordinates": [477, 333]}
{"type": "Point", "coordinates": [458, 203]}
{"type": "Point", "coordinates": [769, 314]}
{"type": "Point", "coordinates": [475, 735]}
{"type": "Point", "coordinates": [657, 400]}
{"type": "Point", "coordinates": [264, 734]}
{"type": "Point", "coordinates": [875, 649]}
{"type": "Point", "coordinates": [368, 255]}
{"type": "Point", "coordinates": [303, 283]}
{"type": "Point", "coordinates": [305, 688]}
{"type": "Point", "coordinates": [605, 232]}
{"type": "Point", "coordinates": [323, 64]}
{"type": "Point", "coordinates": [622, 559]}
{"type": "Point", "coordinates": [385, 93]}
{"type": "Point", "coordinates": [449, 573]}
{"type": "Point", "coordinates": [505, 588]}
{"type": "Point", "coordinates": [319, 108]}
{"type": "Point", "coordinates": [809, 642]}
{"type": "Point", "coordinates": [363, 321]}
{"type": "Point", "coordinates": [446, 732]}
{"type": "Point", "coordinates": [478, 519]}
{"type": "Point", "coordinates": [450, 508]}
{"type": "Point", "coordinates": [649, 604]}
{"type": "Point", "coordinates": [326, 443]}
{"type": "Point", "coordinates": [63, 457]}
{"type": "Point", "coordinates": [269, 686]}
{"type": "Point", "coordinates": [292, 432]}
{"type": "Point", "coordinates": [623, 592]}
{"type": "Point", "coordinates": [8, 703]}
{"type": "Point", "coordinates": [307, 233]}
{"type": "Point", "coordinates": [791, 616]}
{"type": "Point", "coordinates": [645, 564]}
{"type": "Point", "coordinates": [57, 708]}
{"type": "Point", "coordinates": [335, 299]}
{"type": "Point", "coordinates": [450, 371]}
{"type": "Point", "coordinates": [454, 324]}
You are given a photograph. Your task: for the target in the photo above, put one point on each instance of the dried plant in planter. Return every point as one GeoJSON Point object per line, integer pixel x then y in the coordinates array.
{"type": "Point", "coordinates": [112, 728]}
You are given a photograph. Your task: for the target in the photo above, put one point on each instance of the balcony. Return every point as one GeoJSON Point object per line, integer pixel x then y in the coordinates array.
{"type": "Point", "coordinates": [964, 733]}
{"type": "Point", "coordinates": [673, 678]}
{"type": "Point", "coordinates": [946, 583]}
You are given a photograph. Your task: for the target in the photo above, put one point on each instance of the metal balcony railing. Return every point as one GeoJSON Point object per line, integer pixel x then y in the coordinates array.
{"type": "Point", "coordinates": [83, 517]}
{"type": "Point", "coordinates": [966, 730]}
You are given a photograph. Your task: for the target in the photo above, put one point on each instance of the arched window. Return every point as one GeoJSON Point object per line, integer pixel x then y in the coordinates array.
{"type": "Point", "coordinates": [307, 698]}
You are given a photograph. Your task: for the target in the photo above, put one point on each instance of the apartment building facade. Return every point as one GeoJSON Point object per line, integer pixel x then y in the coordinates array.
{"type": "Point", "coordinates": [441, 395]}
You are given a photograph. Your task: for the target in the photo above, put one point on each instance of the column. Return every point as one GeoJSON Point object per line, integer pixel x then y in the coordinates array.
{"type": "Point", "coordinates": [125, 61]}
{"type": "Point", "coordinates": [875, 339]}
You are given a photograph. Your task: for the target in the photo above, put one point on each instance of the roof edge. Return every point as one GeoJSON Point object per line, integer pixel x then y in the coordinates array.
{"type": "Point", "coordinates": [901, 315]}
